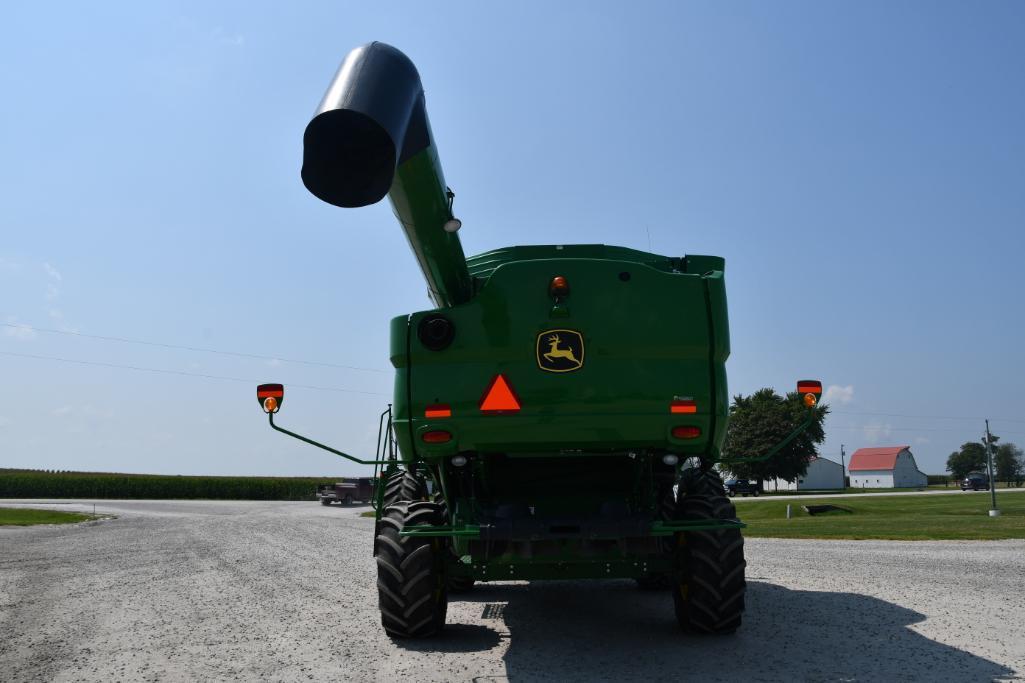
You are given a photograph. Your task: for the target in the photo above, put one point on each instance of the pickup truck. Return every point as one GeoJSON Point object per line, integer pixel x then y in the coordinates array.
{"type": "Point", "coordinates": [347, 491]}
{"type": "Point", "coordinates": [741, 486]}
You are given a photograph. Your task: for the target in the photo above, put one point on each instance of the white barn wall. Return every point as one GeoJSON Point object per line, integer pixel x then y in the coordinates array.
{"type": "Point", "coordinates": [872, 479]}
{"type": "Point", "coordinates": [905, 472]}
{"type": "Point", "coordinates": [822, 474]}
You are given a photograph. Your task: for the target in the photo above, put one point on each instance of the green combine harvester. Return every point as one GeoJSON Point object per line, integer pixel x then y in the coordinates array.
{"type": "Point", "coordinates": [557, 414]}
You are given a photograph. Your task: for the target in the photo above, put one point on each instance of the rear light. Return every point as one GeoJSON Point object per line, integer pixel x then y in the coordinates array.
{"type": "Point", "coordinates": [682, 406]}
{"type": "Point", "coordinates": [438, 410]}
{"type": "Point", "coordinates": [559, 286]}
{"type": "Point", "coordinates": [686, 432]}
{"type": "Point", "coordinates": [436, 436]}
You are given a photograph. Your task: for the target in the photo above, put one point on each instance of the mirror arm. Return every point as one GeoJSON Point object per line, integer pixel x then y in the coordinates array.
{"type": "Point", "coordinates": [270, 417]}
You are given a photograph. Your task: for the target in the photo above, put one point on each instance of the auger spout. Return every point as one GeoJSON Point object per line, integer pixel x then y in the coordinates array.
{"type": "Point", "coordinates": [370, 137]}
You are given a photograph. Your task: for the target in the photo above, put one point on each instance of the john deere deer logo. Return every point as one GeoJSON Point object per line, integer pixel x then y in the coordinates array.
{"type": "Point", "coordinates": [560, 350]}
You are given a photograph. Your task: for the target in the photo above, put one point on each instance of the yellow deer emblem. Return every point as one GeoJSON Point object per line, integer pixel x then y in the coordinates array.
{"type": "Point", "coordinates": [565, 352]}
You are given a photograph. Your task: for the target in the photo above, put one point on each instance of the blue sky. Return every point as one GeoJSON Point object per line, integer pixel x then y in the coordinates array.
{"type": "Point", "coordinates": [859, 165]}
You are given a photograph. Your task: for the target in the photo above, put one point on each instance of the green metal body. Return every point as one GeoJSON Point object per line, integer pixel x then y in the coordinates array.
{"type": "Point", "coordinates": [570, 484]}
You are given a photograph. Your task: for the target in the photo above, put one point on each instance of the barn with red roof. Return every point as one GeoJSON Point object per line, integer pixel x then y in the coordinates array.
{"type": "Point", "coordinates": [886, 467]}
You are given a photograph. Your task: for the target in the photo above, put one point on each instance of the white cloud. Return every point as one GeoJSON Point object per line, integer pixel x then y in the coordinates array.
{"type": "Point", "coordinates": [63, 411]}
{"type": "Point", "coordinates": [52, 272]}
{"type": "Point", "coordinates": [921, 440]}
{"type": "Point", "coordinates": [223, 38]}
{"type": "Point", "coordinates": [837, 394]}
{"type": "Point", "coordinates": [273, 363]}
{"type": "Point", "coordinates": [20, 331]}
{"type": "Point", "coordinates": [52, 292]}
{"type": "Point", "coordinates": [874, 433]}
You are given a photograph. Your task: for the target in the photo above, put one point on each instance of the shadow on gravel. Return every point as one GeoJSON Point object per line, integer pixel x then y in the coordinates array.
{"type": "Point", "coordinates": [612, 630]}
{"type": "Point", "coordinates": [455, 638]}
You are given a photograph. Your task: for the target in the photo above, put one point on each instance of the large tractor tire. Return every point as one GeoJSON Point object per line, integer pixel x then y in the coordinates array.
{"type": "Point", "coordinates": [658, 581]}
{"type": "Point", "coordinates": [709, 585]}
{"type": "Point", "coordinates": [403, 486]}
{"type": "Point", "coordinates": [411, 585]}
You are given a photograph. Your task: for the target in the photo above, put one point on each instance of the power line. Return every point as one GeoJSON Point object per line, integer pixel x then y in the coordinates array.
{"type": "Point", "coordinates": [125, 340]}
{"type": "Point", "coordinates": [927, 417]}
{"type": "Point", "coordinates": [180, 373]}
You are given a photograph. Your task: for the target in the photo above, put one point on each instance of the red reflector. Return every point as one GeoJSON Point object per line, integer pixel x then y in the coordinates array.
{"type": "Point", "coordinates": [438, 410]}
{"type": "Point", "coordinates": [499, 397]}
{"type": "Point", "coordinates": [677, 407]}
{"type": "Point", "coordinates": [686, 432]}
{"type": "Point", "coordinates": [436, 437]}
{"type": "Point", "coordinates": [809, 386]}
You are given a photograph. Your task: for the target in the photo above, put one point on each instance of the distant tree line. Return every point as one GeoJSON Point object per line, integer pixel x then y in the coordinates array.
{"type": "Point", "coordinates": [43, 484]}
{"type": "Point", "coordinates": [1008, 461]}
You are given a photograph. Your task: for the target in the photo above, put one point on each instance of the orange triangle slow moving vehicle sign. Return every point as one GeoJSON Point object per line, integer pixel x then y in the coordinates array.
{"type": "Point", "coordinates": [499, 397]}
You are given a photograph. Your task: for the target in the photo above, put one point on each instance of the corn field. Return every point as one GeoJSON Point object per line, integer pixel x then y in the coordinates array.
{"type": "Point", "coordinates": [45, 484]}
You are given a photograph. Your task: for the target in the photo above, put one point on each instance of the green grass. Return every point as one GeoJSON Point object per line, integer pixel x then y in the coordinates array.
{"type": "Point", "coordinates": [911, 518]}
{"type": "Point", "coordinates": [27, 517]}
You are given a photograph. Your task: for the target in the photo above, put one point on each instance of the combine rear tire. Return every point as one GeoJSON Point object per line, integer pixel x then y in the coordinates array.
{"type": "Point", "coordinates": [403, 486]}
{"type": "Point", "coordinates": [710, 585]}
{"type": "Point", "coordinates": [411, 586]}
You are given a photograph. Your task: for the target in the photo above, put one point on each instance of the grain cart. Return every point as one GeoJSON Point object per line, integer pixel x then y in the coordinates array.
{"type": "Point", "coordinates": [567, 403]}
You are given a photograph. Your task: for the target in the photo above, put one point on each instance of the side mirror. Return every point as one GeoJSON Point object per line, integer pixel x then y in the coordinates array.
{"type": "Point", "coordinates": [270, 396]}
{"type": "Point", "coordinates": [811, 390]}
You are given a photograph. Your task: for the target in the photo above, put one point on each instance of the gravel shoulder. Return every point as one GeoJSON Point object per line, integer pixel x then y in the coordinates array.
{"type": "Point", "coordinates": [225, 590]}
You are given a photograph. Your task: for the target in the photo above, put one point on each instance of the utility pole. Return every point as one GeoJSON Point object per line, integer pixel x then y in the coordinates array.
{"type": "Point", "coordinates": [843, 468]}
{"type": "Point", "coordinates": [994, 510]}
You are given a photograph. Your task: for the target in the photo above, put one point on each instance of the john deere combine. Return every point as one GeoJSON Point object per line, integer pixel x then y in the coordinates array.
{"type": "Point", "coordinates": [566, 403]}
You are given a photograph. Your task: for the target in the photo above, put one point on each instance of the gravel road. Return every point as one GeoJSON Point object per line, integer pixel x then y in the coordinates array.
{"type": "Point", "coordinates": [203, 590]}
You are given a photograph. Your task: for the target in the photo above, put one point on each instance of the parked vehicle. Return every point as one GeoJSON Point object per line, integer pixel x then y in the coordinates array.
{"type": "Point", "coordinates": [742, 486]}
{"type": "Point", "coordinates": [347, 491]}
{"type": "Point", "coordinates": [976, 482]}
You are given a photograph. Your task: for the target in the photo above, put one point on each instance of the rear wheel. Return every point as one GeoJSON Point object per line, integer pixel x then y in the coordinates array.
{"type": "Point", "coordinates": [709, 588]}
{"type": "Point", "coordinates": [348, 500]}
{"type": "Point", "coordinates": [402, 486]}
{"type": "Point", "coordinates": [325, 501]}
{"type": "Point", "coordinates": [411, 587]}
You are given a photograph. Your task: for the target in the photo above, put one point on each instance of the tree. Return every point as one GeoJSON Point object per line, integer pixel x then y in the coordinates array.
{"type": "Point", "coordinates": [970, 458]}
{"type": "Point", "coordinates": [1009, 462]}
{"type": "Point", "coordinates": [759, 422]}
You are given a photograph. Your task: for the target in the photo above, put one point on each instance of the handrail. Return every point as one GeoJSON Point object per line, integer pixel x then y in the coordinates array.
{"type": "Point", "coordinates": [270, 417]}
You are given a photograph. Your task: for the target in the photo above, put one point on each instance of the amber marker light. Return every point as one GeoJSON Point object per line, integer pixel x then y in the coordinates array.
{"type": "Point", "coordinates": [438, 410]}
{"type": "Point", "coordinates": [686, 432]}
{"type": "Point", "coordinates": [810, 400]}
{"type": "Point", "coordinates": [436, 436]}
{"type": "Point", "coordinates": [683, 406]}
{"type": "Point", "coordinates": [559, 286]}
{"type": "Point", "coordinates": [270, 396]}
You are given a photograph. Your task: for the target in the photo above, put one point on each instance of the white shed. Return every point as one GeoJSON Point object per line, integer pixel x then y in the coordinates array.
{"type": "Point", "coordinates": [885, 468]}
{"type": "Point", "coordinates": [822, 474]}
